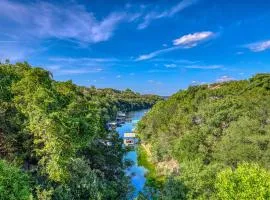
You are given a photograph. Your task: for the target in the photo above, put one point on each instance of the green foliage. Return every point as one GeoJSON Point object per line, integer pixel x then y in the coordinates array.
{"type": "Point", "coordinates": [174, 189]}
{"type": "Point", "coordinates": [153, 179]}
{"type": "Point", "coordinates": [208, 128]}
{"type": "Point", "coordinates": [56, 132]}
{"type": "Point", "coordinates": [198, 179]}
{"type": "Point", "coordinates": [248, 181]}
{"type": "Point", "coordinates": [84, 184]}
{"type": "Point", "coordinates": [14, 184]}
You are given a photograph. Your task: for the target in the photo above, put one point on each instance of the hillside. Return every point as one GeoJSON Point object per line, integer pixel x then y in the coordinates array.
{"type": "Point", "coordinates": [53, 137]}
{"type": "Point", "coordinates": [218, 134]}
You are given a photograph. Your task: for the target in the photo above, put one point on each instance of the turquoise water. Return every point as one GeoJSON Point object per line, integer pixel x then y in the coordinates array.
{"type": "Point", "coordinates": [137, 173]}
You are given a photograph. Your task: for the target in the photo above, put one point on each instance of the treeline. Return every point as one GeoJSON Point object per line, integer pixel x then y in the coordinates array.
{"type": "Point", "coordinates": [53, 141]}
{"type": "Point", "coordinates": [219, 135]}
{"type": "Point", "coordinates": [113, 100]}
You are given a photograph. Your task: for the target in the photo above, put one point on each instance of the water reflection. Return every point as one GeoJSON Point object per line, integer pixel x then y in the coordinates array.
{"type": "Point", "coordinates": [137, 173]}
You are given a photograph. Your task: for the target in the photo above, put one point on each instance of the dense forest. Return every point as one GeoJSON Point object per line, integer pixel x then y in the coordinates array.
{"type": "Point", "coordinates": [211, 141]}
{"type": "Point", "coordinates": [53, 141]}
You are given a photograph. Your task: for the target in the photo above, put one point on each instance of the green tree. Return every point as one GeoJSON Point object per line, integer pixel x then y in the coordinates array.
{"type": "Point", "coordinates": [55, 131]}
{"type": "Point", "coordinates": [248, 181]}
{"type": "Point", "coordinates": [207, 128]}
{"type": "Point", "coordinates": [14, 184]}
{"type": "Point", "coordinates": [85, 184]}
{"type": "Point", "coordinates": [174, 189]}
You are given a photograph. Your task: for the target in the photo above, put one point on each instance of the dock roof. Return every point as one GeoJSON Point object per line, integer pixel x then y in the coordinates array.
{"type": "Point", "coordinates": [129, 135]}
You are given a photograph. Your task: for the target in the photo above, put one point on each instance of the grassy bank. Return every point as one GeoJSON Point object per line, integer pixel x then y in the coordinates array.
{"type": "Point", "coordinates": [153, 179]}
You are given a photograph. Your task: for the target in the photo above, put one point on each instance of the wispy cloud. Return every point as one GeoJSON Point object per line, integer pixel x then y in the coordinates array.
{"type": "Point", "coordinates": [194, 83]}
{"type": "Point", "coordinates": [225, 79]}
{"type": "Point", "coordinates": [69, 21]}
{"type": "Point", "coordinates": [184, 42]}
{"type": "Point", "coordinates": [239, 53]}
{"type": "Point", "coordinates": [176, 61]}
{"type": "Point", "coordinates": [160, 71]}
{"type": "Point", "coordinates": [193, 39]}
{"type": "Point", "coordinates": [170, 65]}
{"type": "Point", "coordinates": [78, 71]}
{"type": "Point", "coordinates": [83, 59]}
{"type": "Point", "coordinates": [17, 51]}
{"type": "Point", "coordinates": [155, 15]}
{"type": "Point", "coordinates": [14, 54]}
{"type": "Point", "coordinates": [59, 70]}
{"type": "Point", "coordinates": [259, 46]}
{"type": "Point", "coordinates": [180, 6]}
{"type": "Point", "coordinates": [84, 63]}
{"type": "Point", "coordinates": [155, 82]}
{"type": "Point", "coordinates": [79, 65]}
{"type": "Point", "coordinates": [204, 67]}
{"type": "Point", "coordinates": [155, 53]}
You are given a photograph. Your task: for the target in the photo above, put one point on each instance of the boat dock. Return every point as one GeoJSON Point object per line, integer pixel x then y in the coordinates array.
{"type": "Point", "coordinates": [129, 139]}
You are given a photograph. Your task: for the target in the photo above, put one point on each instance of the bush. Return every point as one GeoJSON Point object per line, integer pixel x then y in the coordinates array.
{"type": "Point", "coordinates": [14, 184]}
{"type": "Point", "coordinates": [248, 181]}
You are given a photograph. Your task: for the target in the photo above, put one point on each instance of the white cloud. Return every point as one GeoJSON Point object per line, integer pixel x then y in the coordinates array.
{"type": "Point", "coordinates": [194, 83]}
{"type": "Point", "coordinates": [259, 46]}
{"type": "Point", "coordinates": [155, 53]}
{"type": "Point", "coordinates": [148, 19]}
{"type": "Point", "coordinates": [118, 76]}
{"type": "Point", "coordinates": [170, 65]}
{"type": "Point", "coordinates": [192, 40]}
{"type": "Point", "coordinates": [146, 56]}
{"type": "Point", "coordinates": [154, 15]}
{"type": "Point", "coordinates": [181, 6]}
{"type": "Point", "coordinates": [184, 42]}
{"type": "Point", "coordinates": [225, 79]}
{"type": "Point", "coordinates": [68, 21]}
{"type": "Point", "coordinates": [204, 67]}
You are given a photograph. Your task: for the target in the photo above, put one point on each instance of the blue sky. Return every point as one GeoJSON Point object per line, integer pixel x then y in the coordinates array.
{"type": "Point", "coordinates": [149, 46]}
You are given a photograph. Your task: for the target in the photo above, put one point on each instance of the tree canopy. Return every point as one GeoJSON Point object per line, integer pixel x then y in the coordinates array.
{"type": "Point", "coordinates": [209, 128]}
{"type": "Point", "coordinates": [54, 135]}
{"type": "Point", "coordinates": [14, 184]}
{"type": "Point", "coordinates": [248, 181]}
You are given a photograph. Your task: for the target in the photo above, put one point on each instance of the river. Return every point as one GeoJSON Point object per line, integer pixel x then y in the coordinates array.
{"type": "Point", "coordinates": [137, 173]}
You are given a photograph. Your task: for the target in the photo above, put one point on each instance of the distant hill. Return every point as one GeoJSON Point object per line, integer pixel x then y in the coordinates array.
{"type": "Point", "coordinates": [165, 97]}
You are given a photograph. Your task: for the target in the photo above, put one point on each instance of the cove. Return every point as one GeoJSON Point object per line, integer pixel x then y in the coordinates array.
{"type": "Point", "coordinates": [136, 172]}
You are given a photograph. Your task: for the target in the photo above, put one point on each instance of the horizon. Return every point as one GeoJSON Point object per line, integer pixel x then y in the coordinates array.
{"type": "Point", "coordinates": [150, 48]}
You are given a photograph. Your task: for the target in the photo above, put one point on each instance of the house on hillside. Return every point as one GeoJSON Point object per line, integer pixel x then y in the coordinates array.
{"type": "Point", "coordinates": [121, 114]}
{"type": "Point", "coordinates": [120, 117]}
{"type": "Point", "coordinates": [111, 125]}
